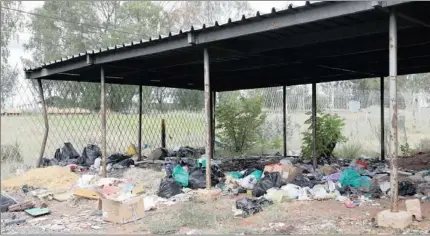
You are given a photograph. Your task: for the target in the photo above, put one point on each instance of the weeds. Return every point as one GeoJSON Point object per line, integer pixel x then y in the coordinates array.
{"type": "Point", "coordinates": [350, 151]}
{"type": "Point", "coordinates": [11, 153]}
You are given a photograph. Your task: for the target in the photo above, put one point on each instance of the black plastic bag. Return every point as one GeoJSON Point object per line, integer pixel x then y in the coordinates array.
{"type": "Point", "coordinates": [5, 202]}
{"type": "Point", "coordinates": [252, 206]}
{"type": "Point", "coordinates": [69, 152]}
{"type": "Point", "coordinates": [197, 179]}
{"type": "Point", "coordinates": [124, 163]}
{"type": "Point", "coordinates": [57, 155]}
{"type": "Point", "coordinates": [169, 188]}
{"type": "Point", "coordinates": [407, 188]}
{"type": "Point", "coordinates": [270, 180]}
{"type": "Point", "coordinates": [90, 154]}
{"type": "Point", "coordinates": [303, 181]}
{"type": "Point", "coordinates": [117, 157]}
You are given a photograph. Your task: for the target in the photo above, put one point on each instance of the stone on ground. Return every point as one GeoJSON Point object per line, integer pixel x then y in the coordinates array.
{"type": "Point", "coordinates": [413, 206]}
{"type": "Point", "coordinates": [395, 220]}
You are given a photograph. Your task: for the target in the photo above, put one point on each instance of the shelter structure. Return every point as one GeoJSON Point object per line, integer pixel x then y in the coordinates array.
{"type": "Point", "coordinates": [314, 43]}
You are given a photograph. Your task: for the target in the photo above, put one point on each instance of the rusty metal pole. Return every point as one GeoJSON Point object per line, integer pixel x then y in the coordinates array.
{"type": "Point", "coordinates": [314, 124]}
{"type": "Point", "coordinates": [213, 120]}
{"type": "Point", "coordinates": [139, 146]}
{"type": "Point", "coordinates": [103, 119]}
{"type": "Point", "coordinates": [284, 112]}
{"type": "Point", "coordinates": [393, 106]}
{"type": "Point", "coordinates": [208, 111]}
{"type": "Point", "coordinates": [163, 133]}
{"type": "Point", "coordinates": [382, 138]}
{"type": "Point", "coordinates": [45, 119]}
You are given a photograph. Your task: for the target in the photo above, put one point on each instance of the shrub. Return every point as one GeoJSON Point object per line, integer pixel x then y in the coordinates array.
{"type": "Point", "coordinates": [328, 134]}
{"type": "Point", "coordinates": [407, 150]}
{"type": "Point", "coordinates": [350, 151]}
{"type": "Point", "coordinates": [239, 119]}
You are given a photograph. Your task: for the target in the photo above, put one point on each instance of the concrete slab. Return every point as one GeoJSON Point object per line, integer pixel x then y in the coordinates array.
{"type": "Point", "coordinates": [413, 206]}
{"type": "Point", "coordinates": [395, 220]}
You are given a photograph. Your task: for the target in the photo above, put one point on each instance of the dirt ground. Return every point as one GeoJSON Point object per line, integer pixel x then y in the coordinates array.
{"type": "Point", "coordinates": [418, 162]}
{"type": "Point", "coordinates": [295, 217]}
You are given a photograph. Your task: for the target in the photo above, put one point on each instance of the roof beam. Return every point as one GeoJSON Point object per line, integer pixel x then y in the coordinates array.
{"type": "Point", "coordinates": [337, 34]}
{"type": "Point", "coordinates": [285, 19]}
{"type": "Point", "coordinates": [132, 52]}
{"type": "Point", "coordinates": [58, 68]}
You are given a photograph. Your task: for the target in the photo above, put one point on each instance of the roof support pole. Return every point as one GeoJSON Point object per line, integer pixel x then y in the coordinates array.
{"type": "Point", "coordinates": [382, 137]}
{"type": "Point", "coordinates": [45, 119]}
{"type": "Point", "coordinates": [393, 109]}
{"type": "Point", "coordinates": [314, 124]}
{"type": "Point", "coordinates": [213, 121]}
{"type": "Point", "coordinates": [209, 117]}
{"type": "Point", "coordinates": [139, 146]}
{"type": "Point", "coordinates": [284, 114]}
{"type": "Point", "coordinates": [103, 119]}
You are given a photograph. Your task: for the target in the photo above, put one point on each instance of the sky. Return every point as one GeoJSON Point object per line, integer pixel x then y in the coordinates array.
{"type": "Point", "coordinates": [17, 50]}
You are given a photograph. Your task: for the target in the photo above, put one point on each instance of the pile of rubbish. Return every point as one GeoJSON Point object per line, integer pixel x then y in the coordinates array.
{"type": "Point", "coordinates": [89, 159]}
{"type": "Point", "coordinates": [187, 173]}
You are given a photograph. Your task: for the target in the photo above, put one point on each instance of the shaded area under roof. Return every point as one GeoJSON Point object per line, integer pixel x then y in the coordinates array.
{"type": "Point", "coordinates": [320, 42]}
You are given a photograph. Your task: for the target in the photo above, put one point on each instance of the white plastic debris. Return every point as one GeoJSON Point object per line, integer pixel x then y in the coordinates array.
{"type": "Point", "coordinates": [248, 182]}
{"type": "Point", "coordinates": [150, 202]}
{"type": "Point", "coordinates": [84, 181]}
{"type": "Point", "coordinates": [305, 194]}
{"type": "Point", "coordinates": [293, 191]}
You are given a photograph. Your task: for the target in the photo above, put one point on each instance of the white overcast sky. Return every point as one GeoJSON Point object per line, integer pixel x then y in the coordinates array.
{"type": "Point", "coordinates": [17, 50]}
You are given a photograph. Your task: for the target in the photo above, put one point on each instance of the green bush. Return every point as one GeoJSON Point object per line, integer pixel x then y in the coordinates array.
{"type": "Point", "coordinates": [239, 120]}
{"type": "Point", "coordinates": [407, 150]}
{"type": "Point", "coordinates": [328, 130]}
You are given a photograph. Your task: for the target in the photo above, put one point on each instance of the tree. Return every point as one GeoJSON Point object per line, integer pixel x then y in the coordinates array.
{"type": "Point", "coordinates": [10, 24]}
{"type": "Point", "coordinates": [239, 120]}
{"type": "Point", "coordinates": [63, 28]}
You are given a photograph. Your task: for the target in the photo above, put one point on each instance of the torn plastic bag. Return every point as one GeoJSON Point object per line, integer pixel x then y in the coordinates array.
{"type": "Point", "coordinates": [169, 188]}
{"type": "Point", "coordinates": [248, 182]}
{"type": "Point", "coordinates": [181, 175]}
{"type": "Point", "coordinates": [407, 188]}
{"type": "Point", "coordinates": [90, 154]}
{"type": "Point", "coordinates": [123, 164]}
{"type": "Point", "coordinates": [116, 157]}
{"type": "Point", "coordinates": [197, 179]}
{"type": "Point", "coordinates": [303, 181]}
{"type": "Point", "coordinates": [252, 206]}
{"type": "Point", "coordinates": [236, 175]}
{"type": "Point", "coordinates": [292, 191]}
{"type": "Point", "coordinates": [5, 202]}
{"type": "Point", "coordinates": [69, 152]}
{"type": "Point", "coordinates": [270, 180]}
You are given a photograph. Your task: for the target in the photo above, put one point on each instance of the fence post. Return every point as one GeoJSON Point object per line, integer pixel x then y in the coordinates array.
{"type": "Point", "coordinates": [139, 146]}
{"type": "Point", "coordinates": [103, 119]}
{"type": "Point", "coordinates": [314, 124]}
{"type": "Point", "coordinates": [45, 119]}
{"type": "Point", "coordinates": [209, 117]}
{"type": "Point", "coordinates": [284, 112]}
{"type": "Point", "coordinates": [393, 106]}
{"type": "Point", "coordinates": [382, 138]}
{"type": "Point", "coordinates": [163, 133]}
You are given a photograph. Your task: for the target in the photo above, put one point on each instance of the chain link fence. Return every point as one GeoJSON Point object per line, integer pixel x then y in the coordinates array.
{"type": "Point", "coordinates": [73, 113]}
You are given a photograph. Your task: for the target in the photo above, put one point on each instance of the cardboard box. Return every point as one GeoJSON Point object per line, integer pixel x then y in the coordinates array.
{"type": "Point", "coordinates": [288, 172]}
{"type": "Point", "coordinates": [122, 211]}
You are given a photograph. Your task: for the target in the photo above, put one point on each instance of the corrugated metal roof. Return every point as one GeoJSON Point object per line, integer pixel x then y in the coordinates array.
{"type": "Point", "coordinates": [204, 27]}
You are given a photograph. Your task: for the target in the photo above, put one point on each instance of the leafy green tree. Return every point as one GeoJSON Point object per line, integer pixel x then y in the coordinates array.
{"type": "Point", "coordinates": [239, 120]}
{"type": "Point", "coordinates": [11, 22]}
